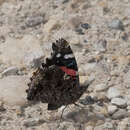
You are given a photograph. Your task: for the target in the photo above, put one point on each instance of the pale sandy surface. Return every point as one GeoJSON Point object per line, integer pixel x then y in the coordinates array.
{"type": "Point", "coordinates": [102, 50]}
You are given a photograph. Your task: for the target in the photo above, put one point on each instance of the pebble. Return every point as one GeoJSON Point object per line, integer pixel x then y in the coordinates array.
{"type": "Point", "coordinates": [52, 24]}
{"type": "Point", "coordinates": [85, 26]}
{"type": "Point", "coordinates": [34, 21]}
{"type": "Point", "coordinates": [113, 92]}
{"type": "Point", "coordinates": [111, 109]}
{"type": "Point", "coordinates": [12, 90]}
{"type": "Point", "coordinates": [79, 31]}
{"type": "Point", "coordinates": [33, 122]}
{"type": "Point", "coordinates": [108, 125]}
{"type": "Point", "coordinates": [43, 127]}
{"type": "Point", "coordinates": [119, 102]}
{"type": "Point", "coordinates": [100, 87]}
{"type": "Point", "coordinates": [87, 100]}
{"type": "Point", "coordinates": [100, 127]}
{"type": "Point", "coordinates": [89, 128]}
{"type": "Point", "coordinates": [116, 24]}
{"type": "Point", "coordinates": [10, 71]}
{"type": "Point", "coordinates": [123, 125]}
{"type": "Point", "coordinates": [121, 113]}
{"type": "Point", "coordinates": [78, 116]}
{"type": "Point", "coordinates": [2, 39]}
{"type": "Point", "coordinates": [101, 45]}
{"type": "Point", "coordinates": [127, 79]}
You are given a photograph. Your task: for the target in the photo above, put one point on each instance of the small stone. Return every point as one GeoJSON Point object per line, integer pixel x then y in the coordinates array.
{"type": "Point", "coordinates": [127, 79]}
{"type": "Point", "coordinates": [33, 122]}
{"type": "Point", "coordinates": [87, 100]}
{"type": "Point", "coordinates": [12, 90]}
{"type": "Point", "coordinates": [2, 106]}
{"type": "Point", "coordinates": [44, 126]}
{"type": "Point", "coordinates": [85, 26]}
{"type": "Point", "coordinates": [119, 114]}
{"type": "Point", "coordinates": [34, 21]}
{"type": "Point", "coordinates": [113, 92]}
{"type": "Point", "coordinates": [2, 39]}
{"type": "Point", "coordinates": [83, 79]}
{"type": "Point", "coordinates": [65, 1]}
{"type": "Point", "coordinates": [52, 24]}
{"type": "Point", "coordinates": [100, 127]}
{"type": "Point", "coordinates": [77, 116]}
{"type": "Point", "coordinates": [119, 102]}
{"type": "Point", "coordinates": [10, 71]}
{"type": "Point", "coordinates": [89, 128]}
{"type": "Point", "coordinates": [79, 31]}
{"type": "Point", "coordinates": [108, 125]}
{"type": "Point", "coordinates": [100, 87]}
{"type": "Point", "coordinates": [123, 124]}
{"type": "Point", "coordinates": [111, 109]}
{"type": "Point", "coordinates": [124, 36]}
{"type": "Point", "coordinates": [101, 45]}
{"type": "Point", "coordinates": [116, 24]}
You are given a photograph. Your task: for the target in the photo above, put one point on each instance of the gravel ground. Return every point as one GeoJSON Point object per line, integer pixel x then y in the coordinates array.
{"type": "Point", "coordinates": [98, 32]}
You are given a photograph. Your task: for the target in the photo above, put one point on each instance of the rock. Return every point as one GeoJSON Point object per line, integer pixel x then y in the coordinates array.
{"type": "Point", "coordinates": [13, 51]}
{"type": "Point", "coordinates": [34, 21]}
{"type": "Point", "coordinates": [123, 125]}
{"type": "Point", "coordinates": [77, 116]}
{"type": "Point", "coordinates": [89, 128]}
{"type": "Point", "coordinates": [113, 92]}
{"type": "Point", "coordinates": [79, 31]}
{"type": "Point", "coordinates": [52, 24]}
{"type": "Point", "coordinates": [108, 125]}
{"type": "Point", "coordinates": [87, 100]}
{"type": "Point", "coordinates": [111, 109]}
{"type": "Point", "coordinates": [2, 39]}
{"type": "Point", "coordinates": [34, 59]}
{"type": "Point", "coordinates": [100, 127]}
{"type": "Point", "coordinates": [85, 26]}
{"type": "Point", "coordinates": [119, 114]}
{"type": "Point", "coordinates": [33, 122]}
{"type": "Point", "coordinates": [12, 90]}
{"type": "Point", "coordinates": [100, 87]}
{"type": "Point", "coordinates": [68, 126]}
{"type": "Point", "coordinates": [101, 45]}
{"type": "Point", "coordinates": [127, 79]}
{"type": "Point", "coordinates": [10, 71]}
{"type": "Point", "coordinates": [119, 102]}
{"type": "Point", "coordinates": [116, 24]}
{"type": "Point", "coordinates": [43, 127]}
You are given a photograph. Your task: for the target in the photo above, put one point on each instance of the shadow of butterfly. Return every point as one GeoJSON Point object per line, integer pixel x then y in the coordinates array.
{"type": "Point", "coordinates": [56, 82]}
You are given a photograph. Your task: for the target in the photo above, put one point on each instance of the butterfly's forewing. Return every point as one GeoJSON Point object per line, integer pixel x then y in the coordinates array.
{"type": "Point", "coordinates": [57, 81]}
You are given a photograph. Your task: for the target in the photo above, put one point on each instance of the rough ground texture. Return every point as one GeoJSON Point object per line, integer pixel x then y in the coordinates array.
{"type": "Point", "coordinates": [98, 32]}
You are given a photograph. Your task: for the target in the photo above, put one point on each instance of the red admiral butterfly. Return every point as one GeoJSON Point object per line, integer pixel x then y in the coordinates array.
{"type": "Point", "coordinates": [56, 82]}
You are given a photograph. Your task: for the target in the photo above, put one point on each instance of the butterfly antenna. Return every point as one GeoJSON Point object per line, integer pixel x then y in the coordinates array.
{"type": "Point", "coordinates": [63, 112]}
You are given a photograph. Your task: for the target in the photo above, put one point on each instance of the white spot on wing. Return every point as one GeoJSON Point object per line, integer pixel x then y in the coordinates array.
{"type": "Point", "coordinates": [58, 55]}
{"type": "Point", "coordinates": [67, 56]}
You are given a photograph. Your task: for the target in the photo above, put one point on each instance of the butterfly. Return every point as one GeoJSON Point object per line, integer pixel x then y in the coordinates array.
{"type": "Point", "coordinates": [56, 82]}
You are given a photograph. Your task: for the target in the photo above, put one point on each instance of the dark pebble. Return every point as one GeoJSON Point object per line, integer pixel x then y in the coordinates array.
{"type": "Point", "coordinates": [88, 100]}
{"type": "Point", "coordinates": [65, 1]}
{"type": "Point", "coordinates": [79, 31]}
{"type": "Point", "coordinates": [85, 26]}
